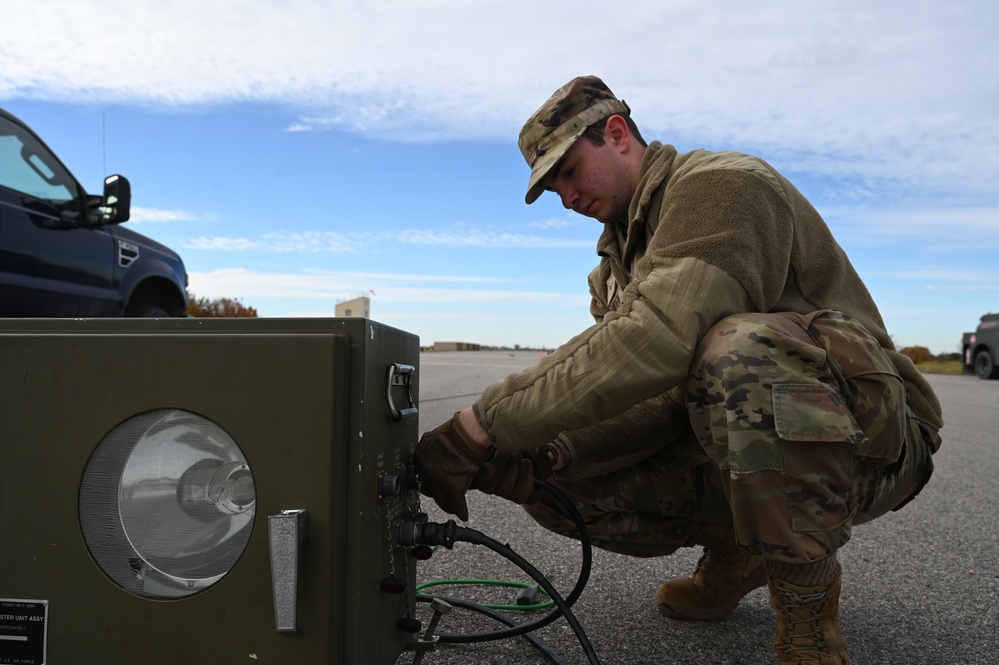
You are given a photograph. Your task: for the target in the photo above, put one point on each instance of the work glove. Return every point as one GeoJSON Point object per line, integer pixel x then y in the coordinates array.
{"type": "Point", "coordinates": [447, 460]}
{"type": "Point", "coordinates": [511, 475]}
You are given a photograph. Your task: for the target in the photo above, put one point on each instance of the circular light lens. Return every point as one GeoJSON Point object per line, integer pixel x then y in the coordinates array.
{"type": "Point", "coordinates": [167, 504]}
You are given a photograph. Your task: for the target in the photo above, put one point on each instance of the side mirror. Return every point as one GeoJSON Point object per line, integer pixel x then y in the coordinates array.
{"type": "Point", "coordinates": [117, 199]}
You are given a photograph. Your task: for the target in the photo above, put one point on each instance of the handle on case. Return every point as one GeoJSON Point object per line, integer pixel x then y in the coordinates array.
{"type": "Point", "coordinates": [286, 532]}
{"type": "Point", "coordinates": [401, 375]}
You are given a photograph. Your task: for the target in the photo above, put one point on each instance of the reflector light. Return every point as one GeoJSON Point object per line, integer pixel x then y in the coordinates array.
{"type": "Point", "coordinates": [167, 504]}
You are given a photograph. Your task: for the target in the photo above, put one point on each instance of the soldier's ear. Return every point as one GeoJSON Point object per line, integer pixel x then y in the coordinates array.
{"type": "Point", "coordinates": [616, 132]}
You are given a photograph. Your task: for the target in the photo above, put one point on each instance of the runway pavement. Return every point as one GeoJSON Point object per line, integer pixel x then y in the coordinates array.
{"type": "Point", "coordinates": [920, 586]}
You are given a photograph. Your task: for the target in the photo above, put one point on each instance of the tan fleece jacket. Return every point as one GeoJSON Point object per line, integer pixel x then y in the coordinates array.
{"type": "Point", "coordinates": [732, 235]}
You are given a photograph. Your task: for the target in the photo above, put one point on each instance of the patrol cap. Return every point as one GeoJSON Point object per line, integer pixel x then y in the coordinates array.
{"type": "Point", "coordinates": [554, 127]}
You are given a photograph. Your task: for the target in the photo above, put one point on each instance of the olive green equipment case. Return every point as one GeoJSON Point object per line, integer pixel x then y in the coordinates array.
{"type": "Point", "coordinates": [206, 491]}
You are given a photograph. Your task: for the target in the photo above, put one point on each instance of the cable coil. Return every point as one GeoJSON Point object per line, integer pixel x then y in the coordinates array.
{"type": "Point", "coordinates": [448, 533]}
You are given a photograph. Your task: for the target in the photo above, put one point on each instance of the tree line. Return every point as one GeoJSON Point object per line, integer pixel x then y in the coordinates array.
{"type": "Point", "coordinates": [217, 307]}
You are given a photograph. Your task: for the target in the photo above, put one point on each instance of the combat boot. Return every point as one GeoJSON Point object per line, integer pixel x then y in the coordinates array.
{"type": "Point", "coordinates": [724, 574]}
{"type": "Point", "coordinates": [808, 623]}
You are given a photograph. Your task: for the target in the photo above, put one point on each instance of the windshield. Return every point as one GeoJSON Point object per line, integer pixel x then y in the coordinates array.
{"type": "Point", "coordinates": [26, 166]}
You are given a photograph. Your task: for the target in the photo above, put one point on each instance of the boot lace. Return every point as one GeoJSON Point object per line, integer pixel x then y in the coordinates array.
{"type": "Point", "coordinates": [801, 615]}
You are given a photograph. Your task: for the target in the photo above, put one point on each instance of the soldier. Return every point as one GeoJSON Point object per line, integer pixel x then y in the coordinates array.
{"type": "Point", "coordinates": [738, 390]}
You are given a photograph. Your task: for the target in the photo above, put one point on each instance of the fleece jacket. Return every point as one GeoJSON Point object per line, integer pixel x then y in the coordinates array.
{"type": "Point", "coordinates": [727, 234]}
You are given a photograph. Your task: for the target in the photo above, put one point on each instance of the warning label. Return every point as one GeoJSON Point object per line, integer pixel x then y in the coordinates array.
{"type": "Point", "coordinates": [22, 631]}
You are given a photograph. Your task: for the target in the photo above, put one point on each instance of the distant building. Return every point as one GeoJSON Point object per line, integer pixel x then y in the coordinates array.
{"type": "Point", "coordinates": [357, 308]}
{"type": "Point", "coordinates": [456, 346]}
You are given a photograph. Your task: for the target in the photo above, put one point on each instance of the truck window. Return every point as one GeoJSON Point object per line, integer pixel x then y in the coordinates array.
{"type": "Point", "coordinates": [27, 167]}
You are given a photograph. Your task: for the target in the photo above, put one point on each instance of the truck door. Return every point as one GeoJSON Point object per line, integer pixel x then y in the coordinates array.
{"type": "Point", "coordinates": [53, 261]}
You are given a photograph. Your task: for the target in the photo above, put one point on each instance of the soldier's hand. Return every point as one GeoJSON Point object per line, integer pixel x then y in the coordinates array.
{"type": "Point", "coordinates": [447, 459]}
{"type": "Point", "coordinates": [507, 475]}
{"type": "Point", "coordinates": [511, 475]}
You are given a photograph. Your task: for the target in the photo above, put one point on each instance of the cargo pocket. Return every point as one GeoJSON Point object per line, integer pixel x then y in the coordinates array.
{"type": "Point", "coordinates": [878, 405]}
{"type": "Point", "coordinates": [818, 436]}
{"type": "Point", "coordinates": [868, 379]}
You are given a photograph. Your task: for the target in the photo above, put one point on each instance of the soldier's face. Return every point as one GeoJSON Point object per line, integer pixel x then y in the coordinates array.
{"type": "Point", "coordinates": [593, 181]}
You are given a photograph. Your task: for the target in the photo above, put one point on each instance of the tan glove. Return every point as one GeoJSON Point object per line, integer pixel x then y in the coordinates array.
{"type": "Point", "coordinates": [446, 461]}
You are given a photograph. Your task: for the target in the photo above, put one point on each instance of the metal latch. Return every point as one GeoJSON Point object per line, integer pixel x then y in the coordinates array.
{"type": "Point", "coordinates": [401, 375]}
{"type": "Point", "coordinates": [286, 532]}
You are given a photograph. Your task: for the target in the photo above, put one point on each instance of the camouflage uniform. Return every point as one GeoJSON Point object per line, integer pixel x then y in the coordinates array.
{"type": "Point", "coordinates": [799, 430]}
{"type": "Point", "coordinates": [673, 499]}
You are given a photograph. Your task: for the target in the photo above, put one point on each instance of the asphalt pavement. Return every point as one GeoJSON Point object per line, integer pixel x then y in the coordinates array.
{"type": "Point", "coordinates": [920, 586]}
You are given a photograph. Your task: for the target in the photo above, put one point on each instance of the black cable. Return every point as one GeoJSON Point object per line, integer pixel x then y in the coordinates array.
{"type": "Point", "coordinates": [449, 533]}
{"type": "Point", "coordinates": [577, 590]}
{"type": "Point", "coordinates": [446, 534]}
{"type": "Point", "coordinates": [550, 654]}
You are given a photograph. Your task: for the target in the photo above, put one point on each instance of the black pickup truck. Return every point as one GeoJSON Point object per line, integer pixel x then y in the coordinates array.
{"type": "Point", "coordinates": [981, 348]}
{"type": "Point", "coordinates": [62, 251]}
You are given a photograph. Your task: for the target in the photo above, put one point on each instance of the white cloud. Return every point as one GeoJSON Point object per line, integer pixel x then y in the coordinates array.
{"type": "Point", "coordinates": [344, 243]}
{"type": "Point", "coordinates": [561, 223]}
{"type": "Point", "coordinates": [301, 242]}
{"type": "Point", "coordinates": [897, 90]}
{"type": "Point", "coordinates": [140, 215]}
{"type": "Point", "coordinates": [312, 241]}
{"type": "Point", "coordinates": [221, 244]}
{"type": "Point", "coordinates": [471, 237]}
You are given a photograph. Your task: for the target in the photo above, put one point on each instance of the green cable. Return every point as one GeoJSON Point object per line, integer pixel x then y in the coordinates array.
{"type": "Point", "coordinates": [521, 585]}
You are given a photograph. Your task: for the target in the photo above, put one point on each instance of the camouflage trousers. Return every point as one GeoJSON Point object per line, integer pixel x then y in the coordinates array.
{"type": "Point", "coordinates": [798, 429]}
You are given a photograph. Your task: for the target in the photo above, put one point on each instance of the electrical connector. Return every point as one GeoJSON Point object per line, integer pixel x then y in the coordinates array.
{"type": "Point", "coordinates": [411, 534]}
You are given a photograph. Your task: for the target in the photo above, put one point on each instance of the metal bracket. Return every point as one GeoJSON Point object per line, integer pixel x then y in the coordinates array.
{"type": "Point", "coordinates": [401, 375]}
{"type": "Point", "coordinates": [286, 531]}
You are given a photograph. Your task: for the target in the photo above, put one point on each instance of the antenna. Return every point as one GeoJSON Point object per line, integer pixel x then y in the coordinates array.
{"type": "Point", "coordinates": [104, 146]}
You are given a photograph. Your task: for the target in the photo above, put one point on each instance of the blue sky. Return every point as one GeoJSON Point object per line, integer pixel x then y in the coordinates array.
{"type": "Point", "coordinates": [300, 153]}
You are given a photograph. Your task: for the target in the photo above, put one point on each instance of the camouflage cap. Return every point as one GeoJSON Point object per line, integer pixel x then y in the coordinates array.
{"type": "Point", "coordinates": [554, 127]}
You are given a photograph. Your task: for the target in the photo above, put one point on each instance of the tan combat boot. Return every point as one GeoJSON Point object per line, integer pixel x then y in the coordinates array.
{"type": "Point", "coordinates": [724, 574]}
{"type": "Point", "coordinates": [808, 622]}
